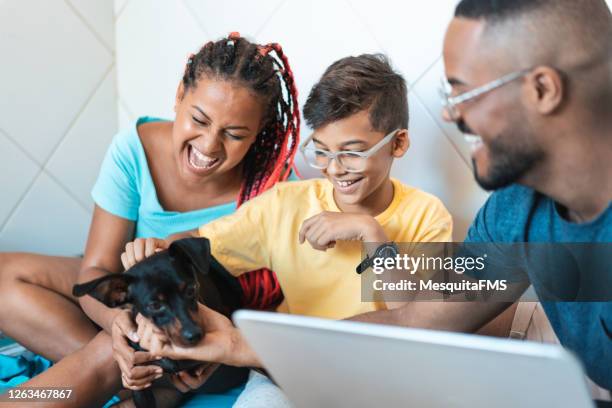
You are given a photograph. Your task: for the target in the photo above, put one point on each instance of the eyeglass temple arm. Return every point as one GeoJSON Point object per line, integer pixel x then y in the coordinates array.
{"type": "Point", "coordinates": [487, 87]}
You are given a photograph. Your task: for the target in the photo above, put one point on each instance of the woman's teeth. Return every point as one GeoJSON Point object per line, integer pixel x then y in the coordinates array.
{"type": "Point", "coordinates": [199, 160]}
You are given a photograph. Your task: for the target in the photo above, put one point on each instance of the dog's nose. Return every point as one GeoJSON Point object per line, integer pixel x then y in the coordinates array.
{"type": "Point", "coordinates": [191, 336]}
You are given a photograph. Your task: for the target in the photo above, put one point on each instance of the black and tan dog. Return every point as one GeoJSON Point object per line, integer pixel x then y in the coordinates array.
{"type": "Point", "coordinates": [165, 288]}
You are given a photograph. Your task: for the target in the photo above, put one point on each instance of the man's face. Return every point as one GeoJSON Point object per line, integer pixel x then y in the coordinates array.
{"type": "Point", "coordinates": [504, 147]}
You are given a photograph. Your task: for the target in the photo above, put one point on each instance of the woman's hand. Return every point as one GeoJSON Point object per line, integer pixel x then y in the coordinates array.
{"type": "Point", "coordinates": [222, 342]}
{"type": "Point", "coordinates": [133, 376]}
{"type": "Point", "coordinates": [140, 249]}
{"type": "Point", "coordinates": [152, 337]}
{"type": "Point", "coordinates": [324, 229]}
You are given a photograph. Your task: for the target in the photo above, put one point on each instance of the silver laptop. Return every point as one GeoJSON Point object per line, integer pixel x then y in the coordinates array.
{"type": "Point", "coordinates": [326, 363]}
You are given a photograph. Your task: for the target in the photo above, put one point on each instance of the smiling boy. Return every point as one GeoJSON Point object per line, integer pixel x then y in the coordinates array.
{"type": "Point", "coordinates": [310, 232]}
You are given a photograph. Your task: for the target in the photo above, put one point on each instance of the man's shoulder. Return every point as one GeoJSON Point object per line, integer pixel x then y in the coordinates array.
{"type": "Point", "coordinates": [505, 215]}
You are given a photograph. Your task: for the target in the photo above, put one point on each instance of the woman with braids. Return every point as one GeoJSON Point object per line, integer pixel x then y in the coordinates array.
{"type": "Point", "coordinates": [234, 136]}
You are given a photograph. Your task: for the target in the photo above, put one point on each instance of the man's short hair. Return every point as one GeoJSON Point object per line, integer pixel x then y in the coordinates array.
{"type": "Point", "coordinates": [492, 10]}
{"type": "Point", "coordinates": [354, 84]}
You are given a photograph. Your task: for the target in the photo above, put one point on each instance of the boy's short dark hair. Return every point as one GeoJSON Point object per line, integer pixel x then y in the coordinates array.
{"type": "Point", "coordinates": [353, 84]}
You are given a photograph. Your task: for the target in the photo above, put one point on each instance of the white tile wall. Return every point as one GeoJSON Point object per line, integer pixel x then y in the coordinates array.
{"type": "Point", "coordinates": [58, 104]}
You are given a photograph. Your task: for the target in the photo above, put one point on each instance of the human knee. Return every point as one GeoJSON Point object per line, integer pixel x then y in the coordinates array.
{"type": "Point", "coordinates": [9, 275]}
{"type": "Point", "coordinates": [101, 347]}
{"type": "Point", "coordinates": [8, 266]}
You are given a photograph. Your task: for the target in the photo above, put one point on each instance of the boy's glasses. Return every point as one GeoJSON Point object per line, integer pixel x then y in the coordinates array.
{"type": "Point", "coordinates": [450, 102]}
{"type": "Point", "coordinates": [352, 162]}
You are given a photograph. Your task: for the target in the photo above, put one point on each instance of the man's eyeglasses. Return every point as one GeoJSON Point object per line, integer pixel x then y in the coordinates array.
{"type": "Point", "coordinates": [450, 103]}
{"type": "Point", "coordinates": [352, 162]}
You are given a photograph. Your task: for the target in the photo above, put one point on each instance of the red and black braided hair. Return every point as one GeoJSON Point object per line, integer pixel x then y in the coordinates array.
{"type": "Point", "coordinates": [264, 69]}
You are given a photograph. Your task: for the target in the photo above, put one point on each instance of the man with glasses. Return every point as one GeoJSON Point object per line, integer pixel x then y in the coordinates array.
{"type": "Point", "coordinates": [530, 84]}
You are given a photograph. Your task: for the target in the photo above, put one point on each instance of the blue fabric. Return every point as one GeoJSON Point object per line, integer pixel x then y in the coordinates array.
{"type": "Point", "coordinates": [214, 400]}
{"type": "Point", "coordinates": [519, 214]}
{"type": "Point", "coordinates": [125, 188]}
{"type": "Point", "coordinates": [17, 370]}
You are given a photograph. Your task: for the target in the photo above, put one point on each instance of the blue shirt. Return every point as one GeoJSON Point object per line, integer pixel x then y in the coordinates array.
{"type": "Point", "coordinates": [125, 188]}
{"type": "Point", "coordinates": [519, 214]}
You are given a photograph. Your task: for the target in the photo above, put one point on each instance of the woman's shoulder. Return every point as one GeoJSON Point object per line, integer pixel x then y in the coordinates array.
{"type": "Point", "coordinates": [149, 130]}
{"type": "Point", "coordinates": [130, 144]}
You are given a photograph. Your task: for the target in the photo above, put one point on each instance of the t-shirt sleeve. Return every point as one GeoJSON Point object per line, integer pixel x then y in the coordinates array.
{"type": "Point", "coordinates": [503, 258]}
{"type": "Point", "coordinates": [240, 240]}
{"type": "Point", "coordinates": [479, 231]}
{"type": "Point", "coordinates": [116, 189]}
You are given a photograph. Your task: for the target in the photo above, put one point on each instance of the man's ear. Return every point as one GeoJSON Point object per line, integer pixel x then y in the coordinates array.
{"type": "Point", "coordinates": [401, 143]}
{"type": "Point", "coordinates": [191, 252]}
{"type": "Point", "coordinates": [547, 89]}
{"type": "Point", "coordinates": [112, 290]}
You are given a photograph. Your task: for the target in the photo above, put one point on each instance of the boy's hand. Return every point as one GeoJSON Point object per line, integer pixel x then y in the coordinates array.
{"type": "Point", "coordinates": [324, 229]}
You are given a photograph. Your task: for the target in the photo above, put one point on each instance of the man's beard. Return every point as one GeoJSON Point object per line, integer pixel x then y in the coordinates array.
{"type": "Point", "coordinates": [507, 163]}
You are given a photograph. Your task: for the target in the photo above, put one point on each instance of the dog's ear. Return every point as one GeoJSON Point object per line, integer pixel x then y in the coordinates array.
{"type": "Point", "coordinates": [112, 290]}
{"type": "Point", "coordinates": [191, 251]}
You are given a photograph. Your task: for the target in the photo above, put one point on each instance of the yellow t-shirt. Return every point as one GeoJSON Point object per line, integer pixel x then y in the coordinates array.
{"type": "Point", "coordinates": [263, 233]}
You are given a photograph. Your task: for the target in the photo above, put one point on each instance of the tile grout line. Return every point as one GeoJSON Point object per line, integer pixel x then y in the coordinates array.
{"type": "Point", "coordinates": [426, 70]}
{"type": "Point", "coordinates": [366, 25]}
{"type": "Point", "coordinates": [375, 38]}
{"type": "Point", "coordinates": [446, 136]}
{"type": "Point", "coordinates": [78, 114]}
{"type": "Point", "coordinates": [120, 11]}
{"type": "Point", "coordinates": [431, 115]}
{"type": "Point", "coordinates": [269, 18]}
{"type": "Point", "coordinates": [28, 186]}
{"type": "Point", "coordinates": [20, 147]}
{"type": "Point", "coordinates": [62, 186]}
{"type": "Point", "coordinates": [195, 18]}
{"type": "Point", "coordinates": [89, 27]}
{"type": "Point", "coordinates": [13, 210]}
{"type": "Point", "coordinates": [42, 165]}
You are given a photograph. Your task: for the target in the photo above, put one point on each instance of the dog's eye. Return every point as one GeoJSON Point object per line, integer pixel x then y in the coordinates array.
{"type": "Point", "coordinates": [190, 291]}
{"type": "Point", "coordinates": [155, 306]}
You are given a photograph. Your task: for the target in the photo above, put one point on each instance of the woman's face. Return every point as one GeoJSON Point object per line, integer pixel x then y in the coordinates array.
{"type": "Point", "coordinates": [216, 123]}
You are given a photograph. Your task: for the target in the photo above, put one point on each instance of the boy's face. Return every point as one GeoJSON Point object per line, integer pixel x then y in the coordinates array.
{"type": "Point", "coordinates": [355, 133]}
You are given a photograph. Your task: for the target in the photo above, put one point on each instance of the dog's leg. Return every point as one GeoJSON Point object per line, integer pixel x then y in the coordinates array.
{"type": "Point", "coordinates": [144, 398]}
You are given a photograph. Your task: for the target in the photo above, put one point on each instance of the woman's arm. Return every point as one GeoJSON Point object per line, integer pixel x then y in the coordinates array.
{"type": "Point", "coordinates": [108, 235]}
